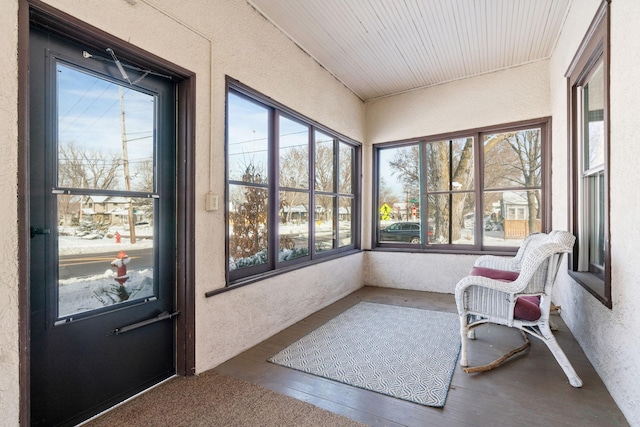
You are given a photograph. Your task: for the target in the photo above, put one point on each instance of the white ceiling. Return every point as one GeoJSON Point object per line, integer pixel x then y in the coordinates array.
{"type": "Point", "coordinates": [384, 47]}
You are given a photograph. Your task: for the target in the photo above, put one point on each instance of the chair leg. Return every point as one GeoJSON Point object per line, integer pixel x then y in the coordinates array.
{"type": "Point", "coordinates": [464, 330]}
{"type": "Point", "coordinates": [561, 358]}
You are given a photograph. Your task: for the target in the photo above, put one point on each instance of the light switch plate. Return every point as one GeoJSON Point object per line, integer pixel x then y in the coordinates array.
{"type": "Point", "coordinates": [211, 202]}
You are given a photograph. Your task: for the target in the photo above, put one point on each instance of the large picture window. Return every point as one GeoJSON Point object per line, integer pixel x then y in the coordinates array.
{"type": "Point", "coordinates": [589, 147]}
{"type": "Point", "coordinates": [292, 191]}
{"type": "Point", "coordinates": [472, 191]}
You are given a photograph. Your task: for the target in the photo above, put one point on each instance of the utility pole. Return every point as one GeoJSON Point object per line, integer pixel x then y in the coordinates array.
{"type": "Point", "coordinates": [125, 164]}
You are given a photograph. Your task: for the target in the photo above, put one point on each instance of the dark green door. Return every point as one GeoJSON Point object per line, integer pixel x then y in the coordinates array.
{"type": "Point", "coordinates": [102, 215]}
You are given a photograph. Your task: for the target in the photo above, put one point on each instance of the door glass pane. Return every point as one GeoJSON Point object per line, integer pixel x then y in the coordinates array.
{"type": "Point", "coordinates": [294, 154]}
{"type": "Point", "coordinates": [248, 231]}
{"type": "Point", "coordinates": [294, 225]}
{"type": "Point", "coordinates": [248, 140]}
{"type": "Point", "coordinates": [101, 262]}
{"type": "Point", "coordinates": [325, 223]}
{"type": "Point", "coordinates": [105, 133]}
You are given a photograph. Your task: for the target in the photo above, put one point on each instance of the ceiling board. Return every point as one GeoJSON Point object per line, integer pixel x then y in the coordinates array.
{"type": "Point", "coordinates": [379, 48]}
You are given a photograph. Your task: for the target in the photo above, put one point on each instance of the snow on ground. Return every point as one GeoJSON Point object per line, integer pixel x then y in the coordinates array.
{"type": "Point", "coordinates": [82, 294]}
{"type": "Point", "coordinates": [74, 245]}
{"type": "Point", "coordinates": [79, 295]}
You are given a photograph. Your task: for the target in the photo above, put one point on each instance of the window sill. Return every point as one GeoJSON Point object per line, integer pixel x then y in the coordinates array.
{"type": "Point", "coordinates": [417, 249]}
{"type": "Point", "coordinates": [593, 284]}
{"type": "Point", "coordinates": [239, 283]}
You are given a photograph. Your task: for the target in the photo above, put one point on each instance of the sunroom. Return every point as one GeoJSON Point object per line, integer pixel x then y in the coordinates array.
{"type": "Point", "coordinates": [321, 153]}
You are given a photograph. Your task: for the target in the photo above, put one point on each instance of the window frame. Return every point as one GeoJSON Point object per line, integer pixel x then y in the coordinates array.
{"type": "Point", "coordinates": [478, 247]}
{"type": "Point", "coordinates": [593, 51]}
{"type": "Point", "coordinates": [274, 266]}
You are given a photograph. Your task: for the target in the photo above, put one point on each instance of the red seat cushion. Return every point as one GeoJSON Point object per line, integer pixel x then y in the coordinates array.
{"type": "Point", "coordinates": [504, 275]}
{"type": "Point", "coordinates": [527, 307]}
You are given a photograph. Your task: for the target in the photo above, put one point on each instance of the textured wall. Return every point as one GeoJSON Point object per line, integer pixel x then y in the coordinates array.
{"type": "Point", "coordinates": [519, 93]}
{"type": "Point", "coordinates": [212, 39]}
{"type": "Point", "coordinates": [420, 272]}
{"type": "Point", "coordinates": [608, 337]}
{"type": "Point", "coordinates": [9, 354]}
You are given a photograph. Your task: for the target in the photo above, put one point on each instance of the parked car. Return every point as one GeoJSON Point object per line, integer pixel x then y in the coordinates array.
{"type": "Point", "coordinates": [403, 232]}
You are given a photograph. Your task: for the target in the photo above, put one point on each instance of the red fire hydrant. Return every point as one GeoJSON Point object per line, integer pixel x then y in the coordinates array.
{"type": "Point", "coordinates": [120, 263]}
{"type": "Point", "coordinates": [118, 237]}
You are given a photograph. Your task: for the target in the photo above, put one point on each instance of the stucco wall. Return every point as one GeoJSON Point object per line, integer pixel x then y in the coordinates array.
{"type": "Point", "coordinates": [212, 39]}
{"type": "Point", "coordinates": [415, 271]}
{"type": "Point", "coordinates": [519, 93]}
{"type": "Point", "coordinates": [609, 337]}
{"type": "Point", "coordinates": [9, 354]}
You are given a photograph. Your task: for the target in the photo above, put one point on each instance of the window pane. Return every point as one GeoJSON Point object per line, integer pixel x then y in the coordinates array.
{"type": "Point", "coordinates": [294, 225]}
{"type": "Point", "coordinates": [596, 219]}
{"type": "Point", "coordinates": [593, 96]}
{"type": "Point", "coordinates": [463, 224]}
{"type": "Point", "coordinates": [401, 232]}
{"type": "Point", "coordinates": [294, 154]}
{"type": "Point", "coordinates": [399, 183]}
{"type": "Point", "coordinates": [248, 143]}
{"type": "Point", "coordinates": [513, 159]}
{"type": "Point", "coordinates": [345, 224]}
{"type": "Point", "coordinates": [98, 264]}
{"type": "Point", "coordinates": [450, 165]}
{"type": "Point", "coordinates": [325, 223]}
{"type": "Point", "coordinates": [105, 133]}
{"type": "Point", "coordinates": [462, 156]}
{"type": "Point", "coordinates": [440, 217]}
{"type": "Point", "coordinates": [346, 168]}
{"type": "Point", "coordinates": [325, 156]}
{"type": "Point", "coordinates": [438, 166]}
{"type": "Point", "coordinates": [510, 216]}
{"type": "Point", "coordinates": [248, 233]}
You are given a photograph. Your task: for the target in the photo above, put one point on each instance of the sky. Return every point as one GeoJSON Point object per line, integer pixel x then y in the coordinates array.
{"type": "Point", "coordinates": [89, 115]}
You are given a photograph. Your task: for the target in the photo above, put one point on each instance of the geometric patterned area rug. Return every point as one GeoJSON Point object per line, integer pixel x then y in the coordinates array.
{"type": "Point", "coordinates": [404, 352]}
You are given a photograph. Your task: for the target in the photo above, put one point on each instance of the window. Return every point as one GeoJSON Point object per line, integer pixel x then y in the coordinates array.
{"type": "Point", "coordinates": [472, 191]}
{"type": "Point", "coordinates": [292, 188]}
{"type": "Point", "coordinates": [588, 78]}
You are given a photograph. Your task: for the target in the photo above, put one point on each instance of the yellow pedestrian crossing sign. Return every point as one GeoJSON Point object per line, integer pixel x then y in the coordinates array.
{"type": "Point", "coordinates": [385, 210]}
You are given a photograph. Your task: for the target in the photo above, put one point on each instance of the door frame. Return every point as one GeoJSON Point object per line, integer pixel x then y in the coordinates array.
{"type": "Point", "coordinates": [71, 27]}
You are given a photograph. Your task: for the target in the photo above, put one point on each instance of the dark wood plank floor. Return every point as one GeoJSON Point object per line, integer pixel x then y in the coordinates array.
{"type": "Point", "coordinates": [529, 390]}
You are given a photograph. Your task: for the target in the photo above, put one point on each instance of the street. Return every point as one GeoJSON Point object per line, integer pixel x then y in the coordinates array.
{"type": "Point", "coordinates": [82, 265]}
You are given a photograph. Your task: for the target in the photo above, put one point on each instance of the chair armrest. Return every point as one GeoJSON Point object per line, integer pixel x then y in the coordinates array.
{"type": "Point", "coordinates": [497, 263]}
{"type": "Point", "coordinates": [499, 285]}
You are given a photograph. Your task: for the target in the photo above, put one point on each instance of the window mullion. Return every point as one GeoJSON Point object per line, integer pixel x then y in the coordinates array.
{"type": "Point", "coordinates": [274, 185]}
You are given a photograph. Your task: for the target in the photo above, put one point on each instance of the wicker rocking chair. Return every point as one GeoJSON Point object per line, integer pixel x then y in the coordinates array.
{"type": "Point", "coordinates": [516, 292]}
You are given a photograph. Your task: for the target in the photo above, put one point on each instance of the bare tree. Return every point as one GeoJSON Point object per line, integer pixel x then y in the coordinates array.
{"type": "Point", "coordinates": [324, 166]}
{"type": "Point", "coordinates": [144, 176]}
{"type": "Point", "coordinates": [79, 167]}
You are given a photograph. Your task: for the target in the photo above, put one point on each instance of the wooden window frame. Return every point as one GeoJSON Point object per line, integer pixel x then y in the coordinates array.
{"type": "Point", "coordinates": [478, 247]}
{"type": "Point", "coordinates": [593, 50]}
{"type": "Point", "coordinates": [274, 267]}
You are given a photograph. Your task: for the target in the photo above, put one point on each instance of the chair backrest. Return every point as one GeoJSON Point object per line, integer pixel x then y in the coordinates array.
{"type": "Point", "coordinates": [528, 244]}
{"type": "Point", "coordinates": [541, 262]}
